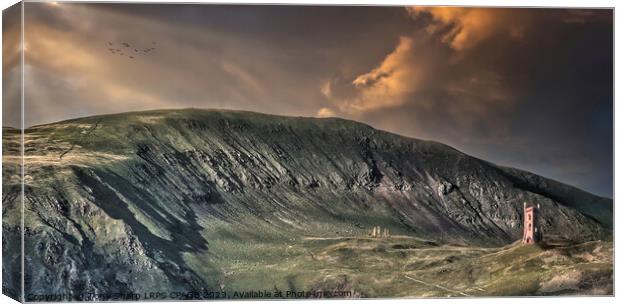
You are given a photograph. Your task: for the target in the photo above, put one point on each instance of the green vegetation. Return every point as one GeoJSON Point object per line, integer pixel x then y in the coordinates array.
{"type": "Point", "coordinates": [402, 266]}
{"type": "Point", "coordinates": [183, 200]}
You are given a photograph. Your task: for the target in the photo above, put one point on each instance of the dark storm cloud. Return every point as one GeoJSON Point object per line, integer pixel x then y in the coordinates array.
{"type": "Point", "coordinates": [529, 88]}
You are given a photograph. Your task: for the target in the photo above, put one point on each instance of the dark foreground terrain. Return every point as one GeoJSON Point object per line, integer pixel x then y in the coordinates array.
{"type": "Point", "coordinates": [225, 201]}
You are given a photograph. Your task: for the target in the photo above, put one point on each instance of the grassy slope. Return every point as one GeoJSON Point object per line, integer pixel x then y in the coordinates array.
{"type": "Point", "coordinates": [403, 266]}
{"type": "Point", "coordinates": [254, 255]}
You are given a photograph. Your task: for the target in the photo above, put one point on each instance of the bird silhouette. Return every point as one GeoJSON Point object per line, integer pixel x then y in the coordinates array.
{"type": "Point", "coordinates": [137, 51]}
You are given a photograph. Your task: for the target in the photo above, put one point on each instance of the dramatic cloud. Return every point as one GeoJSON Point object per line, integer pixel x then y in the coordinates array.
{"type": "Point", "coordinates": [420, 79]}
{"type": "Point", "coordinates": [387, 85]}
{"type": "Point", "coordinates": [462, 28]}
{"type": "Point", "coordinates": [487, 81]}
{"type": "Point", "coordinates": [478, 79]}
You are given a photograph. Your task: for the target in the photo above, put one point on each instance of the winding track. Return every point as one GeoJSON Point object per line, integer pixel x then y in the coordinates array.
{"type": "Point", "coordinates": [438, 286]}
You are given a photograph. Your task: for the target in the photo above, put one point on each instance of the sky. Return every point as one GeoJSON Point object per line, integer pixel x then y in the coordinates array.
{"type": "Point", "coordinates": [526, 88]}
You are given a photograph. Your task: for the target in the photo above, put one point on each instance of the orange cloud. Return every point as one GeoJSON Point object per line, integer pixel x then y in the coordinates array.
{"type": "Point", "coordinates": [466, 27]}
{"type": "Point", "coordinates": [385, 86]}
{"type": "Point", "coordinates": [411, 77]}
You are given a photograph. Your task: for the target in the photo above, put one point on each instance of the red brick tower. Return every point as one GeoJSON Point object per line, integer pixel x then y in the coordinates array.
{"type": "Point", "coordinates": [529, 225]}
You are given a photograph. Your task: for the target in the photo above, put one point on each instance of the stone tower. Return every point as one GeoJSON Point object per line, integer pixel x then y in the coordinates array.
{"type": "Point", "coordinates": [530, 231]}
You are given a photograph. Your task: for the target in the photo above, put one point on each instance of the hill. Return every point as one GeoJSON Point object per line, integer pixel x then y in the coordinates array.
{"type": "Point", "coordinates": [162, 200]}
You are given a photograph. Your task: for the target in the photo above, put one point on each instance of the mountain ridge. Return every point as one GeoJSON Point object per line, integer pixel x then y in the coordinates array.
{"type": "Point", "coordinates": [161, 111]}
{"type": "Point", "coordinates": [160, 193]}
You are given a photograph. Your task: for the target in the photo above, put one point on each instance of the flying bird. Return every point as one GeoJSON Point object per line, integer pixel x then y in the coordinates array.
{"type": "Point", "coordinates": [129, 54]}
